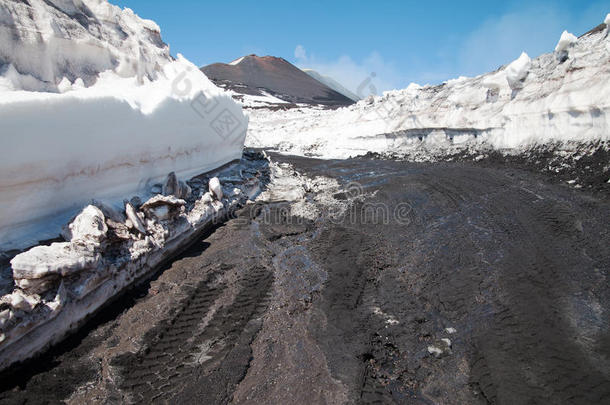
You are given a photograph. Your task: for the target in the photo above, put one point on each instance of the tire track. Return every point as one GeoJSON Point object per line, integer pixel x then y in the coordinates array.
{"type": "Point", "coordinates": [181, 355]}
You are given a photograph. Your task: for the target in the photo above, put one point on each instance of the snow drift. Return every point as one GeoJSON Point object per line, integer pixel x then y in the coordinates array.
{"type": "Point", "coordinates": [92, 106]}
{"type": "Point", "coordinates": [556, 98]}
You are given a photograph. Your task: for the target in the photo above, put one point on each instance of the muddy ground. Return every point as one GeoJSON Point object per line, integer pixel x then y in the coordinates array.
{"type": "Point", "coordinates": [440, 284]}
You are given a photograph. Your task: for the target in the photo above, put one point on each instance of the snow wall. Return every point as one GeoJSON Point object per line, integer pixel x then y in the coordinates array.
{"type": "Point", "coordinates": [70, 137]}
{"type": "Point", "coordinates": [562, 97]}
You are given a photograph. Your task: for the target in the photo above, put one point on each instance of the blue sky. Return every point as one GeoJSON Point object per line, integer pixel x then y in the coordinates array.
{"type": "Point", "coordinates": [401, 41]}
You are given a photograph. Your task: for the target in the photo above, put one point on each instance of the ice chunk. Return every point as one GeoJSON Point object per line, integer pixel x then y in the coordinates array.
{"type": "Point", "coordinates": [158, 200]}
{"type": "Point", "coordinates": [110, 212]}
{"type": "Point", "coordinates": [37, 285]}
{"type": "Point", "coordinates": [78, 84]}
{"type": "Point", "coordinates": [23, 302]}
{"type": "Point", "coordinates": [565, 41]}
{"type": "Point", "coordinates": [215, 188]}
{"type": "Point", "coordinates": [163, 207]}
{"type": "Point", "coordinates": [517, 71]}
{"type": "Point", "coordinates": [160, 212]}
{"type": "Point", "coordinates": [57, 259]}
{"type": "Point", "coordinates": [435, 351]}
{"type": "Point", "coordinates": [171, 186]}
{"type": "Point", "coordinates": [441, 347]}
{"type": "Point", "coordinates": [5, 317]}
{"type": "Point", "coordinates": [89, 226]}
{"type": "Point", "coordinates": [18, 301]}
{"type": "Point", "coordinates": [175, 187]}
{"type": "Point", "coordinates": [134, 219]}
{"type": "Point", "coordinates": [64, 85]}
{"type": "Point", "coordinates": [495, 81]}
{"type": "Point", "coordinates": [207, 198]}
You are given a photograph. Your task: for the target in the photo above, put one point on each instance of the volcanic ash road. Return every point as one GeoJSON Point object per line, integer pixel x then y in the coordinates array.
{"type": "Point", "coordinates": [363, 281]}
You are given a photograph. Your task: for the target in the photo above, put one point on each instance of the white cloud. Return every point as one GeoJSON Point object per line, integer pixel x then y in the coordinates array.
{"type": "Point", "coordinates": [299, 52]}
{"type": "Point", "coordinates": [372, 74]}
{"type": "Point", "coordinates": [498, 41]}
{"type": "Point", "coordinates": [534, 29]}
{"type": "Point", "coordinates": [495, 41]}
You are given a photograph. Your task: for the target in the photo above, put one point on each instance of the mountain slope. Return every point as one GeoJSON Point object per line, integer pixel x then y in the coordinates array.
{"type": "Point", "coordinates": [332, 83]}
{"type": "Point", "coordinates": [254, 75]}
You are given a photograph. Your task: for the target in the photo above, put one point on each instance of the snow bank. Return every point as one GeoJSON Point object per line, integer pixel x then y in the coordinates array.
{"type": "Point", "coordinates": [526, 103]}
{"type": "Point", "coordinates": [113, 113]}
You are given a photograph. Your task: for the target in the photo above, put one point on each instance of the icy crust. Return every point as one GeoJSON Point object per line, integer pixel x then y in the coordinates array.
{"type": "Point", "coordinates": [46, 42]}
{"type": "Point", "coordinates": [557, 97]}
{"type": "Point", "coordinates": [57, 286]}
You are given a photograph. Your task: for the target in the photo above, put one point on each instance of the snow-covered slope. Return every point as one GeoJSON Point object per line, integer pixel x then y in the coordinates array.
{"type": "Point", "coordinates": [332, 83]}
{"type": "Point", "coordinates": [557, 97]}
{"type": "Point", "coordinates": [93, 106]}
